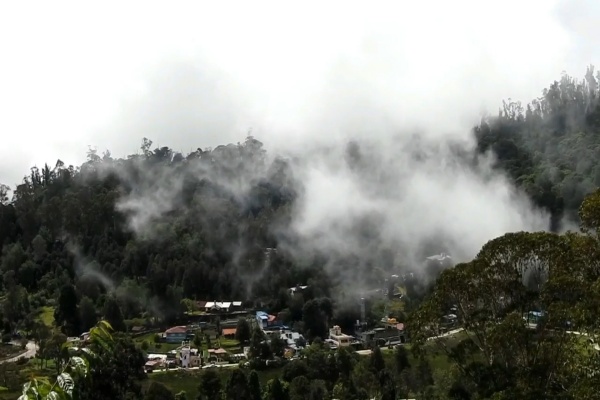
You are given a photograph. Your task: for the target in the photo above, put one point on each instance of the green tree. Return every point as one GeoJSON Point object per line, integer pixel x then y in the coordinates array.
{"type": "Point", "coordinates": [299, 388]}
{"type": "Point", "coordinates": [119, 374]}
{"type": "Point", "coordinates": [387, 385]}
{"type": "Point", "coordinates": [65, 314]}
{"type": "Point", "coordinates": [198, 339]}
{"type": "Point", "coordinates": [79, 368]}
{"type": "Point", "coordinates": [512, 276]}
{"type": "Point", "coordinates": [275, 390]}
{"type": "Point", "coordinates": [376, 361]}
{"type": "Point", "coordinates": [158, 391]}
{"type": "Point", "coordinates": [589, 213]}
{"type": "Point", "coordinates": [87, 314]}
{"type": "Point", "coordinates": [4, 190]}
{"type": "Point", "coordinates": [278, 346]}
{"type": "Point", "coordinates": [243, 332]}
{"type": "Point", "coordinates": [54, 350]}
{"type": "Point", "coordinates": [254, 386]}
{"type": "Point", "coordinates": [112, 313]}
{"type": "Point", "coordinates": [318, 390]}
{"type": "Point", "coordinates": [345, 361]}
{"type": "Point", "coordinates": [42, 335]}
{"type": "Point", "coordinates": [401, 359]}
{"type": "Point", "coordinates": [316, 313]}
{"type": "Point", "coordinates": [237, 386]}
{"type": "Point", "coordinates": [85, 371]}
{"type": "Point", "coordinates": [210, 385]}
{"type": "Point", "coordinates": [256, 343]}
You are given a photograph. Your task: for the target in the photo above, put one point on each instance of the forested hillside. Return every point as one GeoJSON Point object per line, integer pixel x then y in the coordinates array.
{"type": "Point", "coordinates": [152, 229]}
{"type": "Point", "coordinates": [551, 146]}
{"type": "Point", "coordinates": [144, 237]}
{"type": "Point", "coordinates": [160, 226]}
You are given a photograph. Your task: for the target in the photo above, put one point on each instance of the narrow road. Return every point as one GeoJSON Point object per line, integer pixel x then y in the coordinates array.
{"type": "Point", "coordinates": [30, 351]}
{"type": "Point", "coordinates": [530, 326]}
{"type": "Point", "coordinates": [196, 368]}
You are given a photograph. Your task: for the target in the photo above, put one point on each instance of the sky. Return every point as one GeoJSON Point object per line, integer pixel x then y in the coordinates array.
{"type": "Point", "coordinates": [197, 74]}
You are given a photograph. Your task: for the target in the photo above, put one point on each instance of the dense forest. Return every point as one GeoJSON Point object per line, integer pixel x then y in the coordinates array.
{"type": "Point", "coordinates": [550, 147]}
{"type": "Point", "coordinates": [141, 238]}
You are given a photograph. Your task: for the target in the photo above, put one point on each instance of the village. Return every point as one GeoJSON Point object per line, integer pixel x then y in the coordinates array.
{"type": "Point", "coordinates": [189, 356]}
{"type": "Point", "coordinates": [210, 339]}
{"type": "Point", "coordinates": [217, 323]}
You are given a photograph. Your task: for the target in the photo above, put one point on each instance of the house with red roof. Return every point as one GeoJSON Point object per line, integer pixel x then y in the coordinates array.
{"type": "Point", "coordinates": [176, 334]}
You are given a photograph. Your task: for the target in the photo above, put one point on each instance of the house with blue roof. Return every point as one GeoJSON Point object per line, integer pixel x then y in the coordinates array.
{"type": "Point", "coordinates": [266, 321]}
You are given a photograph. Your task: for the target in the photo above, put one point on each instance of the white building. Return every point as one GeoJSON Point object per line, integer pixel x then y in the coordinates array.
{"type": "Point", "coordinates": [221, 306]}
{"type": "Point", "coordinates": [188, 356]}
{"type": "Point", "coordinates": [340, 338]}
{"type": "Point", "coordinates": [290, 338]}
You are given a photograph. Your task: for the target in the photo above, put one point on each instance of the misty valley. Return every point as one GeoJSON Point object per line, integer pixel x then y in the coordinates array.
{"type": "Point", "coordinates": [408, 268]}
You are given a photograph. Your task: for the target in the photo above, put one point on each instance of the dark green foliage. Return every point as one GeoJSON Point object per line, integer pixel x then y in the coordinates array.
{"type": "Point", "coordinates": [237, 386]}
{"type": "Point", "coordinates": [66, 314]}
{"type": "Point", "coordinates": [158, 391]}
{"type": "Point", "coordinates": [550, 147]}
{"type": "Point", "coordinates": [210, 385]}
{"type": "Point", "coordinates": [294, 369]}
{"type": "Point", "coordinates": [277, 346]}
{"type": "Point", "coordinates": [87, 314]}
{"type": "Point", "coordinates": [376, 361]}
{"type": "Point", "coordinates": [90, 227]}
{"type": "Point", "coordinates": [317, 390]}
{"type": "Point", "coordinates": [112, 313]}
{"type": "Point", "coordinates": [275, 391]}
{"type": "Point", "coordinates": [122, 367]}
{"type": "Point", "coordinates": [401, 359]}
{"type": "Point", "coordinates": [243, 331]}
{"type": "Point", "coordinates": [299, 388]}
{"type": "Point", "coordinates": [316, 316]}
{"type": "Point", "coordinates": [254, 386]}
{"type": "Point", "coordinates": [147, 236]}
{"type": "Point", "coordinates": [256, 343]}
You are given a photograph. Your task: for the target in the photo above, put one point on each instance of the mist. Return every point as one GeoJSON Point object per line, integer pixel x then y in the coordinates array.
{"type": "Point", "coordinates": [372, 106]}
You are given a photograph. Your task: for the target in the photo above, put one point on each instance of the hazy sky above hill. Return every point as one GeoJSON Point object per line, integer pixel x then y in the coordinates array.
{"type": "Point", "coordinates": [189, 74]}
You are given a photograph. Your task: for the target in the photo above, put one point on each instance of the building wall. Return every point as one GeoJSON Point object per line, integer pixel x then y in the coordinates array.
{"type": "Point", "coordinates": [175, 337]}
{"type": "Point", "coordinates": [184, 358]}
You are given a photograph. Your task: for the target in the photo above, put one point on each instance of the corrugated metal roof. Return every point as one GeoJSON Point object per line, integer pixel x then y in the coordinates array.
{"type": "Point", "coordinates": [177, 329]}
{"type": "Point", "coordinates": [229, 331]}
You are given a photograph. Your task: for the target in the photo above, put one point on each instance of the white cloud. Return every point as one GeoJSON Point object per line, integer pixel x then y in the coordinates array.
{"type": "Point", "coordinates": [195, 74]}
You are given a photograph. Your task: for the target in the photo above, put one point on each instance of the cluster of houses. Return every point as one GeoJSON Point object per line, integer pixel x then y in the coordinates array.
{"type": "Point", "coordinates": [187, 356]}
{"type": "Point", "coordinates": [212, 307]}
{"type": "Point", "coordinates": [390, 333]}
{"type": "Point", "coordinates": [273, 327]}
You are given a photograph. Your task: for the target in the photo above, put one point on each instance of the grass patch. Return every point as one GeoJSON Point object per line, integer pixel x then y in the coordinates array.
{"type": "Point", "coordinates": [155, 347]}
{"type": "Point", "coordinates": [46, 316]}
{"type": "Point", "coordinates": [188, 381]}
{"type": "Point", "coordinates": [35, 367]}
{"type": "Point", "coordinates": [231, 345]}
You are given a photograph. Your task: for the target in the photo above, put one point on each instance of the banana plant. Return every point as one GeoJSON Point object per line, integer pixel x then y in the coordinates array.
{"type": "Point", "coordinates": [78, 366]}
